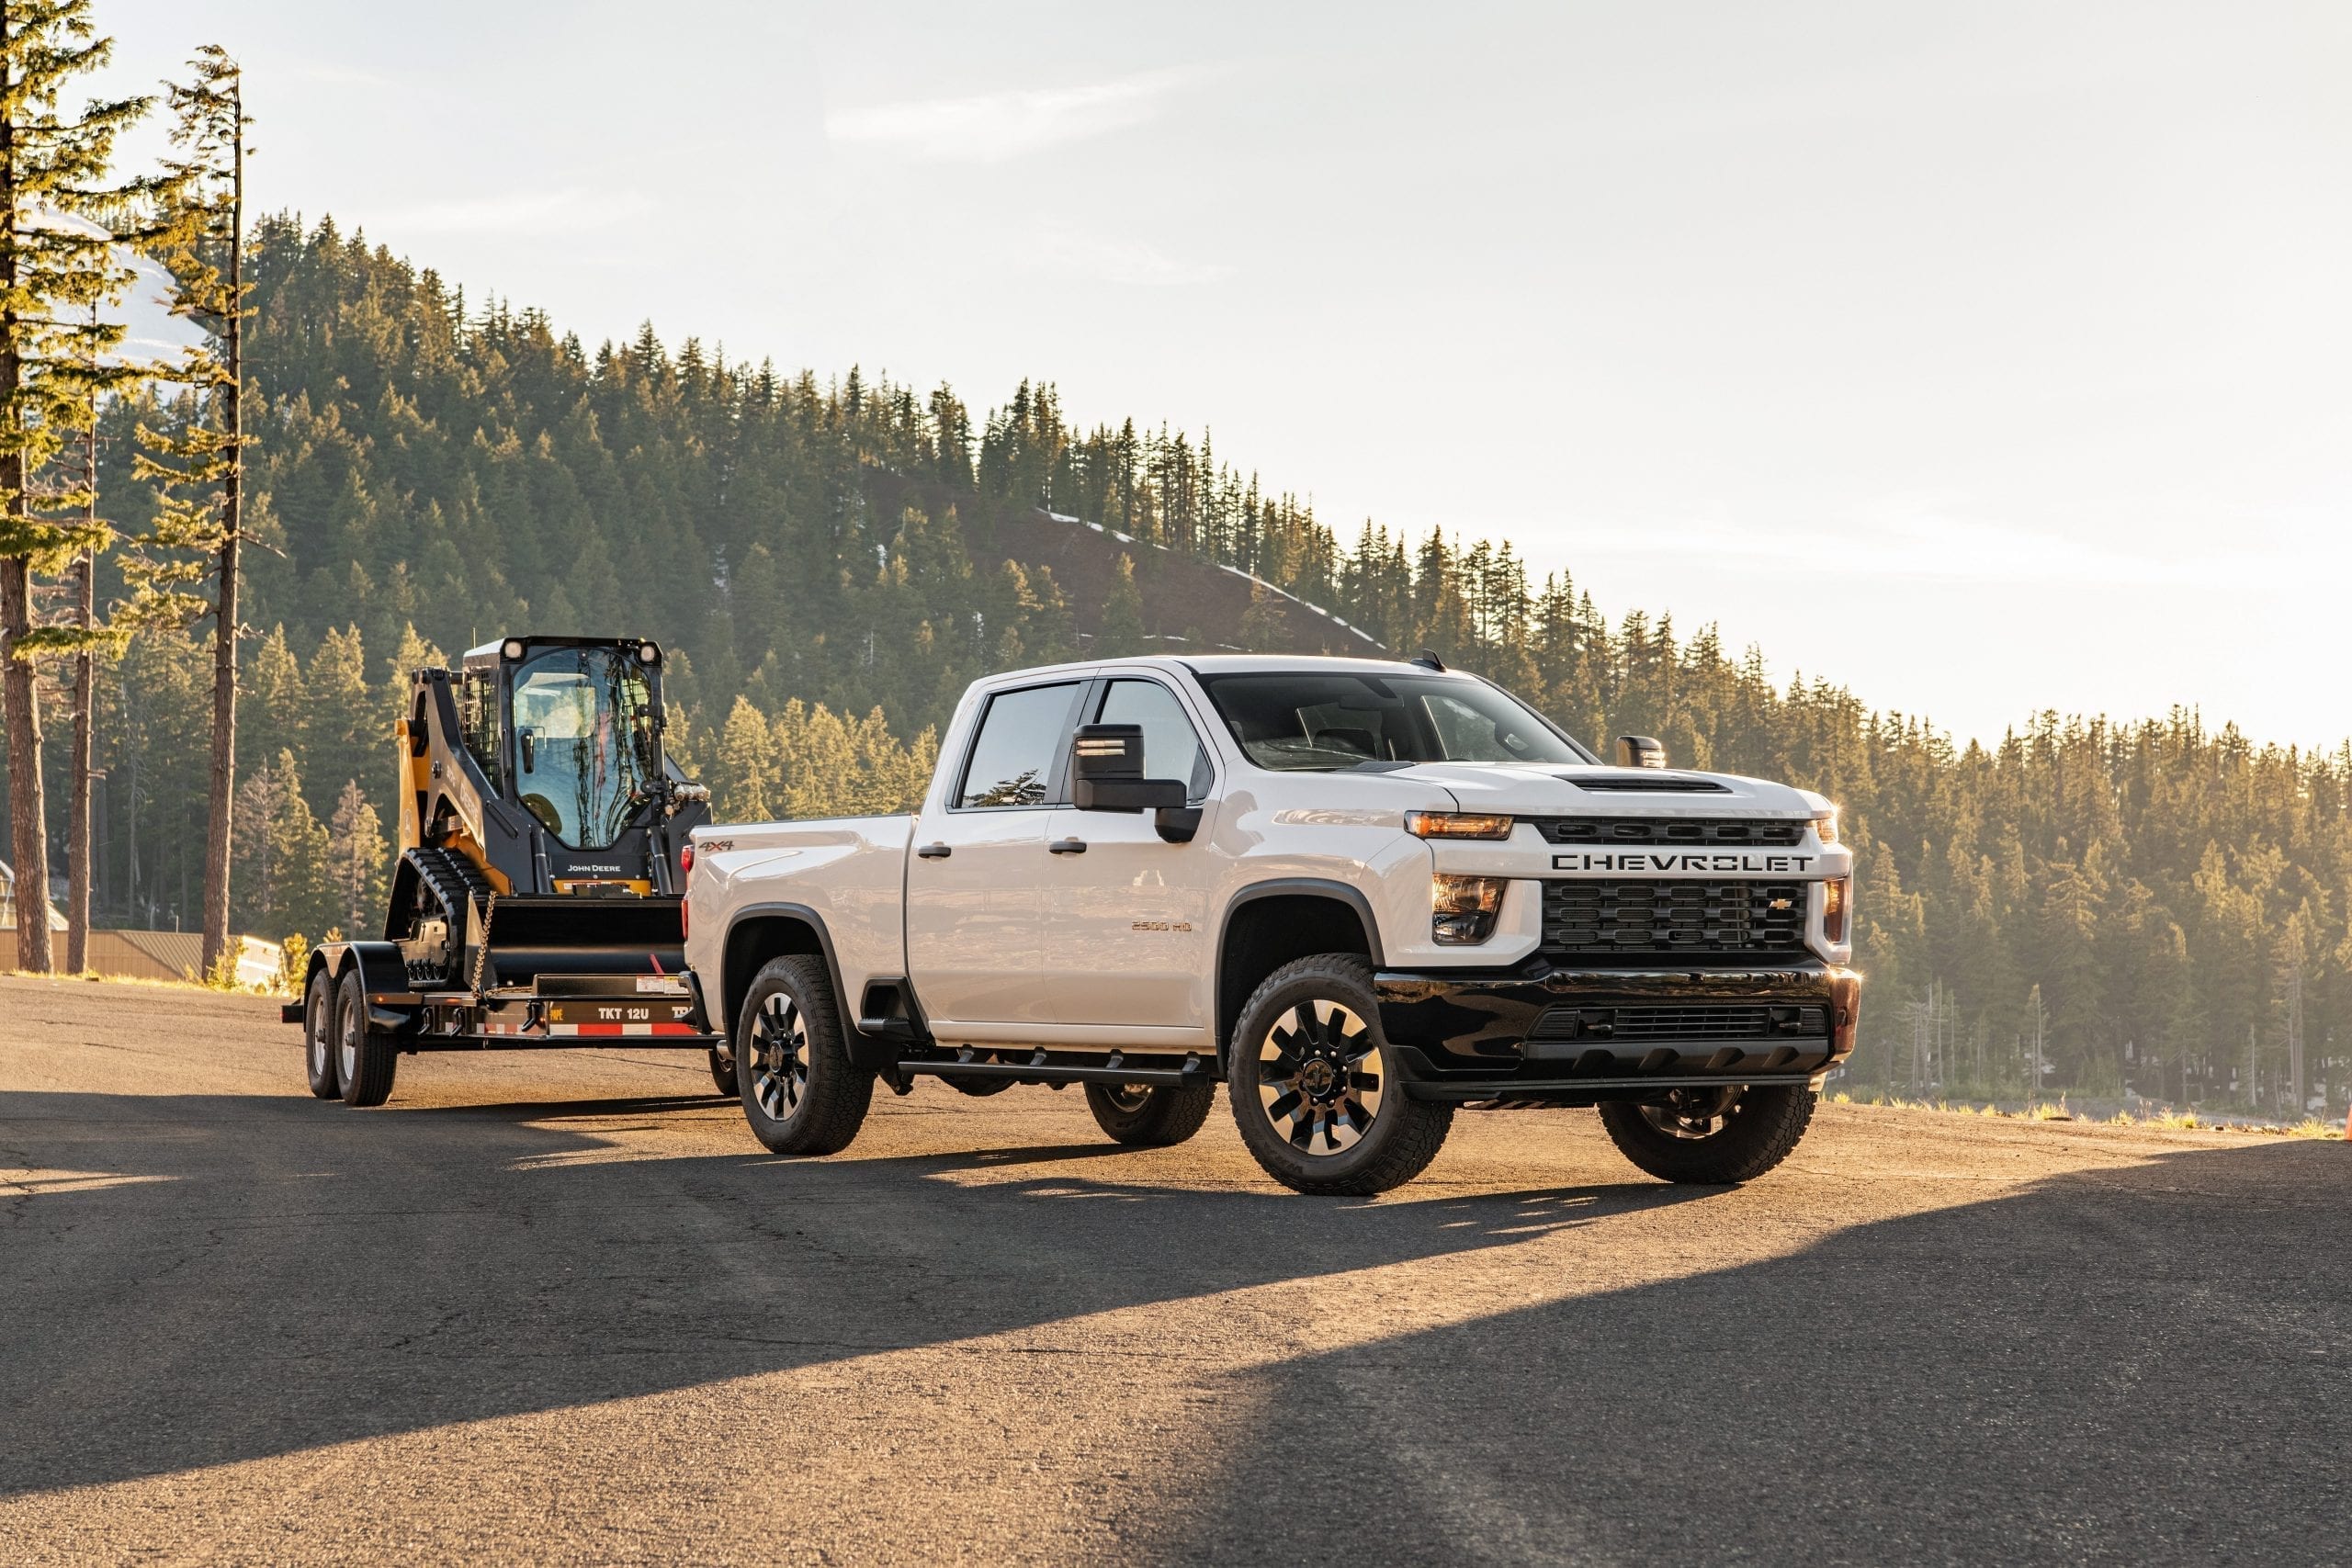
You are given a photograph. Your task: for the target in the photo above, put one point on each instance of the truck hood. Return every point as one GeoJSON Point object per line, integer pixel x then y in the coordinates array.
{"type": "Point", "coordinates": [1569, 790]}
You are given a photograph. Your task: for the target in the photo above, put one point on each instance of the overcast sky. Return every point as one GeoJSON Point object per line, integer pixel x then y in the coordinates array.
{"type": "Point", "coordinates": [1982, 358]}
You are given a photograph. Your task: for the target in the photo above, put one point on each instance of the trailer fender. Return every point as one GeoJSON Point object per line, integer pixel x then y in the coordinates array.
{"type": "Point", "coordinates": [383, 973]}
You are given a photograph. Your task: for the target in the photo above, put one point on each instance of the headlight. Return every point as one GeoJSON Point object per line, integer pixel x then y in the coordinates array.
{"type": "Point", "coordinates": [1456, 825]}
{"type": "Point", "coordinates": [1462, 909]}
{"type": "Point", "coordinates": [1825, 825]}
{"type": "Point", "coordinates": [1836, 893]}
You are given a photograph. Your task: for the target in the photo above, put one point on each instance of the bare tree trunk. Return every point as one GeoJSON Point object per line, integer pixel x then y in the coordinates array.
{"type": "Point", "coordinates": [19, 703]}
{"type": "Point", "coordinates": [77, 806]}
{"type": "Point", "coordinates": [80, 866]}
{"type": "Point", "coordinates": [224, 646]}
{"type": "Point", "coordinates": [21, 710]}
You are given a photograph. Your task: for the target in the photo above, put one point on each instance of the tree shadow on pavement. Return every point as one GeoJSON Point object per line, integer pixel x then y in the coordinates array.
{"type": "Point", "coordinates": [229, 1277]}
{"type": "Point", "coordinates": [2145, 1364]}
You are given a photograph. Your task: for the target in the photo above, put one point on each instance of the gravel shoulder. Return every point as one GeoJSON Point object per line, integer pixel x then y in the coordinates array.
{"type": "Point", "coordinates": [560, 1306]}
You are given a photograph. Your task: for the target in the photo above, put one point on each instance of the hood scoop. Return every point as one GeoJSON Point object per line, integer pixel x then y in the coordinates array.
{"type": "Point", "coordinates": [1654, 784]}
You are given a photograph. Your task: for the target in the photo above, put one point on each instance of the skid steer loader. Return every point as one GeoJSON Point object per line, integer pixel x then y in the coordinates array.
{"type": "Point", "coordinates": [537, 901]}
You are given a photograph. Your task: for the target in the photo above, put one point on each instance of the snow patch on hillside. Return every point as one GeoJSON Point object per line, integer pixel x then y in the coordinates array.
{"type": "Point", "coordinates": [1249, 577]}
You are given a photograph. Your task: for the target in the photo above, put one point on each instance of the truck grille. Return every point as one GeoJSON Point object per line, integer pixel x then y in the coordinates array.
{"type": "Point", "coordinates": [1727, 830]}
{"type": "Point", "coordinates": [1732, 1021]}
{"type": "Point", "coordinates": [1593, 918]}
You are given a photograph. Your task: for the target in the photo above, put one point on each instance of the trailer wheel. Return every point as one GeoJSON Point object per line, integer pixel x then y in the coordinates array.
{"type": "Point", "coordinates": [365, 1056]}
{"type": "Point", "coordinates": [318, 1035]}
{"type": "Point", "coordinates": [802, 1093]}
{"type": "Point", "coordinates": [722, 1069]}
{"type": "Point", "coordinates": [1145, 1117]}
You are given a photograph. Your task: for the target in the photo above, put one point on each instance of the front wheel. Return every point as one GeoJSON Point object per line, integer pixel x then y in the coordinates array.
{"type": "Point", "coordinates": [1145, 1117]}
{"type": "Point", "coordinates": [1709, 1136]}
{"type": "Point", "coordinates": [1319, 1101]}
{"type": "Point", "coordinates": [802, 1093]}
{"type": "Point", "coordinates": [319, 1036]}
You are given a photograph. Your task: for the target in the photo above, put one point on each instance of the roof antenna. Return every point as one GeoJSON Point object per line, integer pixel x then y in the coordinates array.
{"type": "Point", "coordinates": [1429, 660]}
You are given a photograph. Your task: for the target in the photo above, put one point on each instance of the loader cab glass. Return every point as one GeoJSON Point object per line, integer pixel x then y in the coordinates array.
{"type": "Point", "coordinates": [479, 722]}
{"type": "Point", "coordinates": [586, 752]}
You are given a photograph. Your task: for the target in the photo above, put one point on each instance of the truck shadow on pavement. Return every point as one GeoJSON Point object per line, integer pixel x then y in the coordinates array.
{"type": "Point", "coordinates": [192, 1281]}
{"type": "Point", "coordinates": [2145, 1364]}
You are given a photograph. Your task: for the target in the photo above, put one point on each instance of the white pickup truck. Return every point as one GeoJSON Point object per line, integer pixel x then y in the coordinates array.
{"type": "Point", "coordinates": [1362, 894]}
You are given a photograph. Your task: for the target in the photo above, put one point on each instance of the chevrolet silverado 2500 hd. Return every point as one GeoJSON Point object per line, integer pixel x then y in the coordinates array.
{"type": "Point", "coordinates": [1362, 894]}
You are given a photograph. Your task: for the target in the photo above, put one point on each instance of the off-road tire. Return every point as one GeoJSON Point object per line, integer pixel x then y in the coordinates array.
{"type": "Point", "coordinates": [1149, 1118]}
{"type": "Point", "coordinates": [722, 1070]}
{"type": "Point", "coordinates": [1758, 1130]}
{"type": "Point", "coordinates": [318, 1036]}
{"type": "Point", "coordinates": [1402, 1135]}
{"type": "Point", "coordinates": [364, 1057]}
{"type": "Point", "coordinates": [815, 1103]}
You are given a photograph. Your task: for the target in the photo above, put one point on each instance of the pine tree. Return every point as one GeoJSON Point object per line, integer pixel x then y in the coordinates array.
{"type": "Point", "coordinates": [57, 262]}
{"type": "Point", "coordinates": [1122, 632]}
{"type": "Point", "coordinates": [199, 470]}
{"type": "Point", "coordinates": [355, 863]}
{"type": "Point", "coordinates": [281, 856]}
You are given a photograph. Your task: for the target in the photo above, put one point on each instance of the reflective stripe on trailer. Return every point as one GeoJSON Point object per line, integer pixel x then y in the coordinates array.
{"type": "Point", "coordinates": [594, 1029]}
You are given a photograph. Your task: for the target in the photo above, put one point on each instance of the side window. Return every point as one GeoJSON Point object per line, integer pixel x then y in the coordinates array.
{"type": "Point", "coordinates": [478, 720]}
{"type": "Point", "coordinates": [1021, 736]}
{"type": "Point", "coordinates": [1171, 748]}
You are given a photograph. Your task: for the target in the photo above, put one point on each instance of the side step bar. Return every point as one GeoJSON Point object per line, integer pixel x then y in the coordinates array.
{"type": "Point", "coordinates": [1044, 1066]}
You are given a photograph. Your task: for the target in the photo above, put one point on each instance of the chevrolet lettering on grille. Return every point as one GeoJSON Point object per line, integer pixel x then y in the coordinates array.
{"type": "Point", "coordinates": [1645, 860]}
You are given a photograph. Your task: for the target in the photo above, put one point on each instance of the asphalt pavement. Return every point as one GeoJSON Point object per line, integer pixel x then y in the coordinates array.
{"type": "Point", "coordinates": [559, 1307]}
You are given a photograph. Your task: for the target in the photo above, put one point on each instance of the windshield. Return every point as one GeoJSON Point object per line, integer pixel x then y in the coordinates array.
{"type": "Point", "coordinates": [1321, 722]}
{"type": "Point", "coordinates": [584, 749]}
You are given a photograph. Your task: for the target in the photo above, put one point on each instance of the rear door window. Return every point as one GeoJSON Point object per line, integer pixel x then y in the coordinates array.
{"type": "Point", "coordinates": [1019, 743]}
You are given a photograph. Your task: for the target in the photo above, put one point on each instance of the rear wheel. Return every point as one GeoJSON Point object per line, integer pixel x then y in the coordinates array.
{"type": "Point", "coordinates": [1147, 1117]}
{"type": "Point", "coordinates": [319, 1036]}
{"type": "Point", "coordinates": [363, 1056]}
{"type": "Point", "coordinates": [1319, 1103]}
{"type": "Point", "coordinates": [802, 1093]}
{"type": "Point", "coordinates": [1711, 1136]}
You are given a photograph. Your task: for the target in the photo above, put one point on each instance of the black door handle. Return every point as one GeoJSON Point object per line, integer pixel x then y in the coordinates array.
{"type": "Point", "coordinates": [936, 851]}
{"type": "Point", "coordinates": [1067, 846]}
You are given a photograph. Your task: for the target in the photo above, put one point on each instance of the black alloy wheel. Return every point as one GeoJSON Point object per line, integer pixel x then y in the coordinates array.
{"type": "Point", "coordinates": [1712, 1136]}
{"type": "Point", "coordinates": [802, 1093]}
{"type": "Point", "coordinates": [1315, 1093]}
{"type": "Point", "coordinates": [1149, 1116]}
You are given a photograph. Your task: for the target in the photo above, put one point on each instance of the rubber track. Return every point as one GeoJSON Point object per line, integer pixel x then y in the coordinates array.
{"type": "Point", "coordinates": [457, 886]}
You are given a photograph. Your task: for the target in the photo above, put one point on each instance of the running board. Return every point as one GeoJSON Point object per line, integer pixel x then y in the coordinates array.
{"type": "Point", "coordinates": [1042, 1067]}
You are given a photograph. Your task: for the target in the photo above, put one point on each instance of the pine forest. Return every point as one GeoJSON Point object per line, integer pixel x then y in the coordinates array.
{"type": "Point", "coordinates": [2157, 907]}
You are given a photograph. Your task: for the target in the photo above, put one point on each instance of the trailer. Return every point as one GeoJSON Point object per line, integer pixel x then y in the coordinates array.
{"type": "Point", "coordinates": [538, 903]}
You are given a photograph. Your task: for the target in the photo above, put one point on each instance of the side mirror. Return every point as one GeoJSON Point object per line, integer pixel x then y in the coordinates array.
{"type": "Point", "coordinates": [1106, 775]}
{"type": "Point", "coordinates": [1640, 751]}
{"type": "Point", "coordinates": [527, 739]}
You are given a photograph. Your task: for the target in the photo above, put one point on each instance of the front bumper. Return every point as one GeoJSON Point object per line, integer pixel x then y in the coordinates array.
{"type": "Point", "coordinates": [1541, 1034]}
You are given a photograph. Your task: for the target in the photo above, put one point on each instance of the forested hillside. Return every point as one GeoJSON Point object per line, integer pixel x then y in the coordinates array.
{"type": "Point", "coordinates": [831, 558]}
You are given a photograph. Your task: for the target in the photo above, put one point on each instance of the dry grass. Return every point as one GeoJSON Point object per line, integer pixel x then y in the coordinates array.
{"type": "Point", "coordinates": [2163, 1118]}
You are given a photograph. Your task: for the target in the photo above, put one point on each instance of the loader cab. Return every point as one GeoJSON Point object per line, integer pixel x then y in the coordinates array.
{"type": "Point", "coordinates": [568, 728]}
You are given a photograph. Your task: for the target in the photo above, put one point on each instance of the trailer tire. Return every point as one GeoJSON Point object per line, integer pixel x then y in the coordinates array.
{"type": "Point", "coordinates": [318, 1035]}
{"type": "Point", "coordinates": [1735, 1138]}
{"type": "Point", "coordinates": [801, 1093]}
{"type": "Point", "coordinates": [722, 1070]}
{"type": "Point", "coordinates": [1149, 1118]}
{"type": "Point", "coordinates": [364, 1057]}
